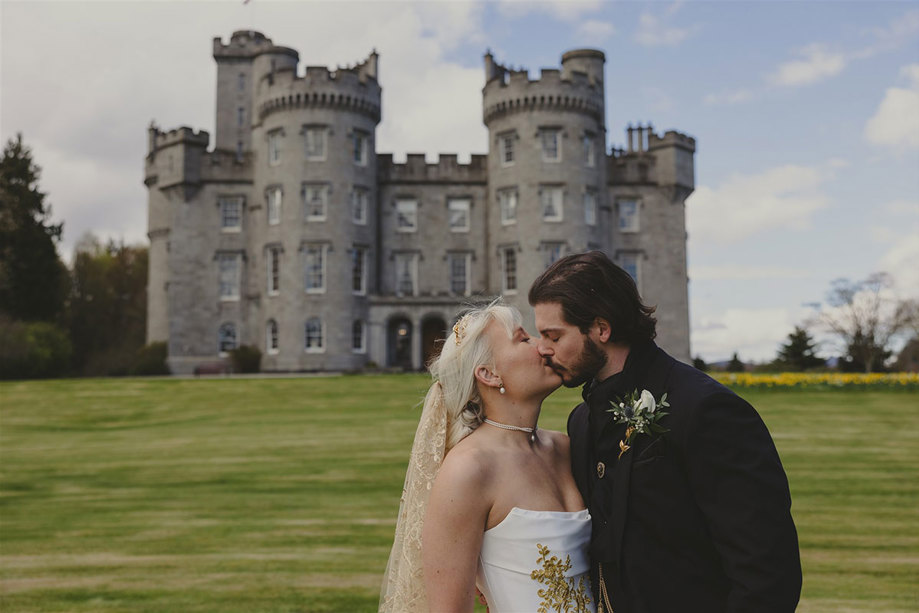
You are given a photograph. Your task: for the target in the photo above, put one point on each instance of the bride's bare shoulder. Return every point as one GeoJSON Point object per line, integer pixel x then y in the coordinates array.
{"type": "Point", "coordinates": [468, 460]}
{"type": "Point", "coordinates": [559, 440]}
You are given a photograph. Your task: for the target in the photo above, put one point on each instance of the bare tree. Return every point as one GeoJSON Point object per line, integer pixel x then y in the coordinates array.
{"type": "Point", "coordinates": [867, 317]}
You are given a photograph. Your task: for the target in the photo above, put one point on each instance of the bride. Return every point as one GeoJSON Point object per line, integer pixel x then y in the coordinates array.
{"type": "Point", "coordinates": [489, 501]}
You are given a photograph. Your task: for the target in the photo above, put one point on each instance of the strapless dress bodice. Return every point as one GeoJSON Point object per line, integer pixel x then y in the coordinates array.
{"type": "Point", "coordinates": [516, 562]}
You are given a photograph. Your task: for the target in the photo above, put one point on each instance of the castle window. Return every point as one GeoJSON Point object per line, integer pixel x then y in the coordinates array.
{"type": "Point", "coordinates": [459, 273]}
{"type": "Point", "coordinates": [274, 270]}
{"type": "Point", "coordinates": [507, 201]}
{"type": "Point", "coordinates": [226, 338]}
{"type": "Point", "coordinates": [315, 200]}
{"type": "Point", "coordinates": [274, 148]}
{"type": "Point", "coordinates": [241, 82]}
{"type": "Point", "coordinates": [407, 274]}
{"type": "Point", "coordinates": [506, 148]}
{"type": "Point", "coordinates": [313, 337]}
{"type": "Point", "coordinates": [590, 207]}
{"type": "Point", "coordinates": [631, 263]}
{"type": "Point", "coordinates": [553, 252]}
{"type": "Point", "coordinates": [359, 206]}
{"type": "Point", "coordinates": [551, 197]}
{"type": "Point", "coordinates": [358, 334]}
{"type": "Point", "coordinates": [406, 215]}
{"type": "Point", "coordinates": [590, 150]}
{"type": "Point", "coordinates": [315, 142]}
{"type": "Point", "coordinates": [361, 140]}
{"type": "Point", "coordinates": [241, 116]}
{"type": "Point", "coordinates": [274, 206]}
{"type": "Point", "coordinates": [314, 268]}
{"type": "Point", "coordinates": [239, 151]}
{"type": "Point", "coordinates": [458, 214]}
{"type": "Point", "coordinates": [228, 274]}
{"type": "Point", "coordinates": [551, 141]}
{"type": "Point", "coordinates": [509, 264]}
{"type": "Point", "coordinates": [230, 214]}
{"type": "Point", "coordinates": [271, 337]}
{"type": "Point", "coordinates": [628, 216]}
{"type": "Point", "coordinates": [359, 271]}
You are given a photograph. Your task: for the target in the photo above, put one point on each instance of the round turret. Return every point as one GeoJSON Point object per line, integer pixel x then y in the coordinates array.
{"type": "Point", "coordinates": [313, 140]}
{"type": "Point", "coordinates": [546, 167]}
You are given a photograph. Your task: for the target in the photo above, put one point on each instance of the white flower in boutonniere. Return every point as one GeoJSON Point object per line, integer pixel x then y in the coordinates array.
{"type": "Point", "coordinates": [640, 412]}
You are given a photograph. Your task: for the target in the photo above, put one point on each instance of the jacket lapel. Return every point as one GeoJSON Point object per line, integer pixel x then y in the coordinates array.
{"type": "Point", "coordinates": [652, 374]}
{"type": "Point", "coordinates": [578, 431]}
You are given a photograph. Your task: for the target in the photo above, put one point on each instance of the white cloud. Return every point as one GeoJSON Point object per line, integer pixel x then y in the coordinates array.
{"type": "Point", "coordinates": [654, 31]}
{"type": "Point", "coordinates": [901, 262]}
{"type": "Point", "coordinates": [596, 32]}
{"type": "Point", "coordinates": [779, 198]}
{"type": "Point", "coordinates": [755, 334]}
{"type": "Point", "coordinates": [737, 272]}
{"type": "Point", "coordinates": [728, 97]}
{"type": "Point", "coordinates": [568, 10]}
{"type": "Point", "coordinates": [903, 207]}
{"type": "Point", "coordinates": [900, 31]}
{"type": "Point", "coordinates": [896, 121]}
{"type": "Point", "coordinates": [816, 64]}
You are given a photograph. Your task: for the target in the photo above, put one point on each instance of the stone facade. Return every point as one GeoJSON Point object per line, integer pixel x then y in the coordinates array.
{"type": "Point", "coordinates": [294, 235]}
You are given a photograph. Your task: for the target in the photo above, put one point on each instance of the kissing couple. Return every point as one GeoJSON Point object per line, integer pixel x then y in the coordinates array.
{"type": "Point", "coordinates": [669, 495]}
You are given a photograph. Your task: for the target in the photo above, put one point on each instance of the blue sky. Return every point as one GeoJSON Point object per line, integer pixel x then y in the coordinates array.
{"type": "Point", "coordinates": [806, 116]}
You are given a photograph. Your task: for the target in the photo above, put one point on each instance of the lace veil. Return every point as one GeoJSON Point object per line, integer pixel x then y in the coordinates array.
{"type": "Point", "coordinates": [403, 583]}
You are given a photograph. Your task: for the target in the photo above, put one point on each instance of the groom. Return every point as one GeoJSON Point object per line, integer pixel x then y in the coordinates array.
{"type": "Point", "coordinates": [694, 518]}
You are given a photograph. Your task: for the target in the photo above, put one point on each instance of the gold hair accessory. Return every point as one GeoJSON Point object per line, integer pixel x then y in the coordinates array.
{"type": "Point", "coordinates": [459, 329]}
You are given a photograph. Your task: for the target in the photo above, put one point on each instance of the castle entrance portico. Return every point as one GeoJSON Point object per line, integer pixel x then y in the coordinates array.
{"type": "Point", "coordinates": [433, 333]}
{"type": "Point", "coordinates": [399, 343]}
{"type": "Point", "coordinates": [408, 331]}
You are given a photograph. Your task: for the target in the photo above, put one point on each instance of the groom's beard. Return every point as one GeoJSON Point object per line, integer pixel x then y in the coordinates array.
{"type": "Point", "coordinates": [585, 367]}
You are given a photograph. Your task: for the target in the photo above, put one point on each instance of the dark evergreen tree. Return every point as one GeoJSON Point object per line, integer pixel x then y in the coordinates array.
{"type": "Point", "coordinates": [735, 365]}
{"type": "Point", "coordinates": [33, 280]}
{"type": "Point", "coordinates": [799, 352]}
{"type": "Point", "coordinates": [699, 364]}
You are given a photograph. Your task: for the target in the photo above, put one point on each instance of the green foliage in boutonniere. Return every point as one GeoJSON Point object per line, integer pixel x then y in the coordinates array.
{"type": "Point", "coordinates": [640, 412]}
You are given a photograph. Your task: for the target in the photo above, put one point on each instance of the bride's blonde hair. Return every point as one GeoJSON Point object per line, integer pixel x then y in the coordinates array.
{"type": "Point", "coordinates": [465, 349]}
{"type": "Point", "coordinates": [452, 410]}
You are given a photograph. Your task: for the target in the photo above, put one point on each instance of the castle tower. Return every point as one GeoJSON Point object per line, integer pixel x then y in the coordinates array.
{"type": "Point", "coordinates": [172, 176]}
{"type": "Point", "coordinates": [313, 214]}
{"type": "Point", "coordinates": [546, 171]}
{"type": "Point", "coordinates": [650, 180]}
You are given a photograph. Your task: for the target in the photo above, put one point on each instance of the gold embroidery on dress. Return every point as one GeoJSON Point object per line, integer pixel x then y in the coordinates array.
{"type": "Point", "coordinates": [561, 594]}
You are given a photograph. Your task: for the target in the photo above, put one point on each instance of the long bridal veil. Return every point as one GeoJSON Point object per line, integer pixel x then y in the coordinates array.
{"type": "Point", "coordinates": [403, 583]}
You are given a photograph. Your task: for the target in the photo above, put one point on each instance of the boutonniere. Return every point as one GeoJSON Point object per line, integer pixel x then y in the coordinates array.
{"type": "Point", "coordinates": [640, 412]}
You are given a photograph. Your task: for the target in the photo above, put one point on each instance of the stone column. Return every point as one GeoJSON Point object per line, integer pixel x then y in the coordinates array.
{"type": "Point", "coordinates": [417, 339]}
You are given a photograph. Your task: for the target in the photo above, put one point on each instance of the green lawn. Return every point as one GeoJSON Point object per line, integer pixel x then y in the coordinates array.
{"type": "Point", "coordinates": [281, 494]}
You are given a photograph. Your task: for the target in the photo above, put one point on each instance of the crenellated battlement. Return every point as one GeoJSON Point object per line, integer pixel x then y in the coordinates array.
{"type": "Point", "coordinates": [672, 138]}
{"type": "Point", "coordinates": [652, 159]}
{"type": "Point", "coordinates": [184, 135]}
{"type": "Point", "coordinates": [446, 169]}
{"type": "Point", "coordinates": [576, 87]}
{"type": "Point", "coordinates": [246, 44]}
{"type": "Point", "coordinates": [350, 88]}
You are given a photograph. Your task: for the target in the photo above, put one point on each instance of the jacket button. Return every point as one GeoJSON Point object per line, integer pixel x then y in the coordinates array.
{"type": "Point", "coordinates": [601, 469]}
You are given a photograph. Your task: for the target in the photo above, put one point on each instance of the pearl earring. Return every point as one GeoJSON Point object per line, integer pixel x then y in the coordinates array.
{"type": "Point", "coordinates": [502, 390]}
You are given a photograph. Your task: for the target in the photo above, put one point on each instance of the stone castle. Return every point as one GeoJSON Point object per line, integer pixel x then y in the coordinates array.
{"type": "Point", "coordinates": [294, 235]}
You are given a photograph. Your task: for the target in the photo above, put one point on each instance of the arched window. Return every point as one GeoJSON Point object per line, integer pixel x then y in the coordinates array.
{"type": "Point", "coordinates": [313, 341]}
{"type": "Point", "coordinates": [271, 337]}
{"type": "Point", "coordinates": [226, 337]}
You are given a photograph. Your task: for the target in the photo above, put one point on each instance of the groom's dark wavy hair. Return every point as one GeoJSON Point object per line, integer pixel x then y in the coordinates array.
{"type": "Point", "coordinates": [588, 286]}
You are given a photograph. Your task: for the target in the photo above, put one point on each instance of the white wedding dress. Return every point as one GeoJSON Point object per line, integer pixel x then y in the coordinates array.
{"type": "Point", "coordinates": [536, 559]}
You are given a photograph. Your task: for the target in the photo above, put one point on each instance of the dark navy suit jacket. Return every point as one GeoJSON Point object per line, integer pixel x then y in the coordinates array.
{"type": "Point", "coordinates": [695, 519]}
